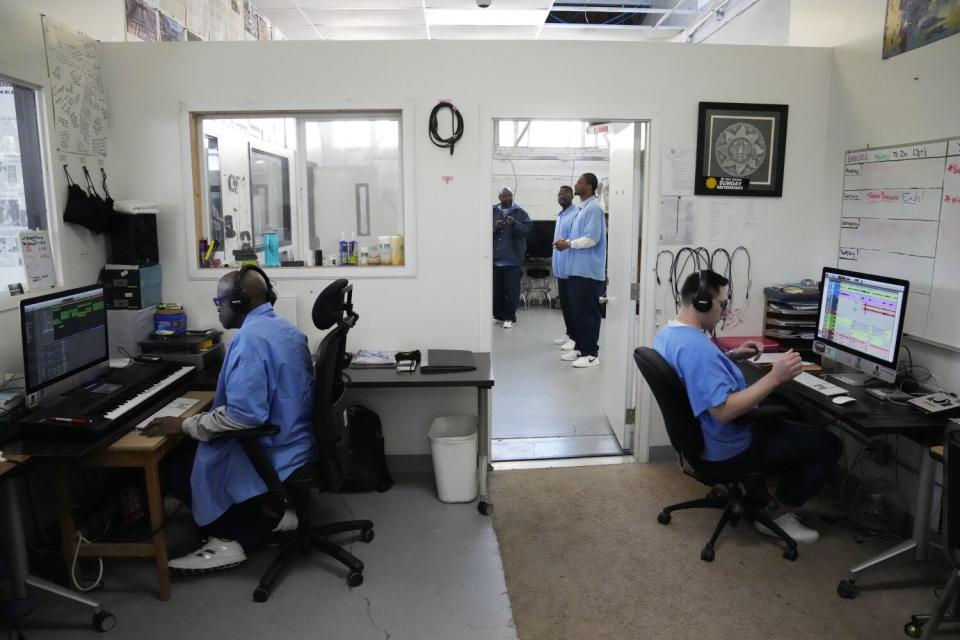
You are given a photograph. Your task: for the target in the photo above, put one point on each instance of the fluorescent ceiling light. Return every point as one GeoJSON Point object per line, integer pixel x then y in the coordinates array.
{"type": "Point", "coordinates": [486, 17]}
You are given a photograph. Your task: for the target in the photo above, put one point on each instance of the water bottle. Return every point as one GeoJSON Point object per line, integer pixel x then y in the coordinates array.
{"type": "Point", "coordinates": [271, 249]}
{"type": "Point", "coordinates": [354, 249]}
{"type": "Point", "coordinates": [343, 248]}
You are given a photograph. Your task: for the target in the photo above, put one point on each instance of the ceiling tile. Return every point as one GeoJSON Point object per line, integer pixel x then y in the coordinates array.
{"type": "Point", "coordinates": [495, 4]}
{"type": "Point", "coordinates": [375, 33]}
{"type": "Point", "coordinates": [275, 4]}
{"type": "Point", "coordinates": [360, 4]}
{"type": "Point", "coordinates": [282, 17]}
{"type": "Point", "coordinates": [300, 33]}
{"type": "Point", "coordinates": [488, 17]}
{"type": "Point", "coordinates": [365, 17]}
{"type": "Point", "coordinates": [483, 33]}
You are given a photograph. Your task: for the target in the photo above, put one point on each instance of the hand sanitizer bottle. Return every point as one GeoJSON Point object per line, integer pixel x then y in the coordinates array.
{"type": "Point", "coordinates": [354, 249]}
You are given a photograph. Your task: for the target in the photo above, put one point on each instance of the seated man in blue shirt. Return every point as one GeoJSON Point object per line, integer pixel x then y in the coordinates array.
{"type": "Point", "coordinates": [803, 457]}
{"type": "Point", "coordinates": [266, 378]}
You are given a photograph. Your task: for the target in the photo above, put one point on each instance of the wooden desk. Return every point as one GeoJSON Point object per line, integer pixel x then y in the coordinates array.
{"type": "Point", "coordinates": [132, 450]}
{"type": "Point", "coordinates": [869, 417]}
{"type": "Point", "coordinates": [481, 379]}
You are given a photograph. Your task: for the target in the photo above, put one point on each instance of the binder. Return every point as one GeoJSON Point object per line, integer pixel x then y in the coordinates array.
{"type": "Point", "coordinates": [448, 361]}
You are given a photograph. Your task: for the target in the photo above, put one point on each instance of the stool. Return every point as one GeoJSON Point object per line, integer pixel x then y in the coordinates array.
{"type": "Point", "coordinates": [537, 286]}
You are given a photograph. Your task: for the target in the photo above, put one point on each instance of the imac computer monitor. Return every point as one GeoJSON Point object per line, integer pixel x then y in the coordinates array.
{"type": "Point", "coordinates": [63, 334]}
{"type": "Point", "coordinates": [540, 240]}
{"type": "Point", "coordinates": [860, 323]}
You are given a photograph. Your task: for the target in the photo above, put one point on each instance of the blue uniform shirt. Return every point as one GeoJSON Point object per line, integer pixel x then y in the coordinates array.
{"type": "Point", "coordinates": [266, 378]}
{"type": "Point", "coordinates": [510, 242]}
{"type": "Point", "coordinates": [561, 259]}
{"type": "Point", "coordinates": [709, 377]}
{"type": "Point", "coordinates": [589, 221]}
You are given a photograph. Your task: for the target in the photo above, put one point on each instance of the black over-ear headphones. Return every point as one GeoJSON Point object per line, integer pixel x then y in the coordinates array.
{"type": "Point", "coordinates": [703, 300]}
{"type": "Point", "coordinates": [239, 299]}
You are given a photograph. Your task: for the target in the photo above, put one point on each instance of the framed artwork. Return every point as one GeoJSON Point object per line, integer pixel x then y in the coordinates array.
{"type": "Point", "coordinates": [914, 23]}
{"type": "Point", "coordinates": [740, 149]}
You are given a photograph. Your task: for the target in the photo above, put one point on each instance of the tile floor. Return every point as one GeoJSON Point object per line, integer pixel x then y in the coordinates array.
{"type": "Point", "coordinates": [542, 407]}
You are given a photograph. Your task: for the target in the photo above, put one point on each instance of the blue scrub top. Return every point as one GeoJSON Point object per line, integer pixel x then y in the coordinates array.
{"type": "Point", "coordinates": [266, 378]}
{"type": "Point", "coordinates": [709, 377]}
{"type": "Point", "coordinates": [589, 221]}
{"type": "Point", "coordinates": [561, 259]}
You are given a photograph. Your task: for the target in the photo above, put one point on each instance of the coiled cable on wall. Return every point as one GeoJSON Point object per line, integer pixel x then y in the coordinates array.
{"type": "Point", "coordinates": [435, 137]}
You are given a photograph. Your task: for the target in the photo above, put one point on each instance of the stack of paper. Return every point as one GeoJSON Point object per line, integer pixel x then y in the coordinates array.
{"type": "Point", "coordinates": [365, 359]}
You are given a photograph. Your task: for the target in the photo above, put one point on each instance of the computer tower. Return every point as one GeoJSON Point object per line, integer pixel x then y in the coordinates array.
{"type": "Point", "coordinates": [133, 239]}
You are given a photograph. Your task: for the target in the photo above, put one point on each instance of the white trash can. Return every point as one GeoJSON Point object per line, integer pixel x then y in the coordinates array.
{"type": "Point", "coordinates": [453, 442]}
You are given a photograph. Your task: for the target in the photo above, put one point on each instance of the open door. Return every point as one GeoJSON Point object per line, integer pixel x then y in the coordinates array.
{"type": "Point", "coordinates": [619, 333]}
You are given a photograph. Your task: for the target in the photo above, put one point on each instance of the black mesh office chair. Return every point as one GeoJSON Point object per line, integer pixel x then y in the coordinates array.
{"type": "Point", "coordinates": [948, 606]}
{"type": "Point", "coordinates": [333, 310]}
{"type": "Point", "coordinates": [738, 489]}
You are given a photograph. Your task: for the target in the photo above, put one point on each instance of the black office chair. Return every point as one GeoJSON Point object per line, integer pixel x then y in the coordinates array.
{"type": "Point", "coordinates": [333, 308]}
{"type": "Point", "coordinates": [736, 488]}
{"type": "Point", "coordinates": [948, 606]}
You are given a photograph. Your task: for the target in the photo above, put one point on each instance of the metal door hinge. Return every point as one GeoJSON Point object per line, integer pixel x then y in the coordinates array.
{"type": "Point", "coordinates": [629, 416]}
{"type": "Point", "coordinates": [634, 290]}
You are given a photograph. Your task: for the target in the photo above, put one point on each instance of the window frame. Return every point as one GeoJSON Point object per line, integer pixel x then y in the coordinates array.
{"type": "Point", "coordinates": [191, 119]}
{"type": "Point", "coordinates": [39, 83]}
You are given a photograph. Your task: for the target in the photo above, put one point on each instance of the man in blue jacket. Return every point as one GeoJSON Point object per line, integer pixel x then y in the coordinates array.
{"type": "Point", "coordinates": [511, 226]}
{"type": "Point", "coordinates": [266, 378]}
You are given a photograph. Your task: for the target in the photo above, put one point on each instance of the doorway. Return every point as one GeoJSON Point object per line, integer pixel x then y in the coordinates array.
{"type": "Point", "coordinates": [544, 408]}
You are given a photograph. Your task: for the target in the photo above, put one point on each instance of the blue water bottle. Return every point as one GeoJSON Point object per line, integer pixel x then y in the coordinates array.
{"type": "Point", "coordinates": [271, 249]}
{"type": "Point", "coordinates": [344, 248]}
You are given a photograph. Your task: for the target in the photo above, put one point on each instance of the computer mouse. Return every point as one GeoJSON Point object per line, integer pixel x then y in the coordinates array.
{"type": "Point", "coordinates": [807, 282]}
{"type": "Point", "coordinates": [843, 400]}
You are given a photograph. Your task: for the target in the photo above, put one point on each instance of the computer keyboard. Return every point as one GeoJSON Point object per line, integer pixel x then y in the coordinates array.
{"type": "Point", "coordinates": [175, 408]}
{"type": "Point", "coordinates": [819, 385]}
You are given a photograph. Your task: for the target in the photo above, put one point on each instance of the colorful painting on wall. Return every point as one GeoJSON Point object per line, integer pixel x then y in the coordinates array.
{"type": "Point", "coordinates": [915, 23]}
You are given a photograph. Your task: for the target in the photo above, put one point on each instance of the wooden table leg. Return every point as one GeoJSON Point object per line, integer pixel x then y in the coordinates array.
{"type": "Point", "coordinates": [155, 504]}
{"type": "Point", "coordinates": [68, 527]}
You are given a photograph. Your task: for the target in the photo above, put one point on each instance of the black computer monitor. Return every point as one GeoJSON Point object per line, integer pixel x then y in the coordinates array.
{"type": "Point", "coordinates": [860, 322]}
{"type": "Point", "coordinates": [63, 334]}
{"type": "Point", "coordinates": [540, 240]}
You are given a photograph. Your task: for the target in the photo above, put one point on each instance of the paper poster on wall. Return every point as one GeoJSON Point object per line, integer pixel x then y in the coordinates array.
{"type": "Point", "coordinates": [79, 104]}
{"type": "Point", "coordinates": [678, 166]}
{"type": "Point", "coordinates": [141, 21]}
{"type": "Point", "coordinates": [37, 260]}
{"type": "Point", "coordinates": [676, 220]}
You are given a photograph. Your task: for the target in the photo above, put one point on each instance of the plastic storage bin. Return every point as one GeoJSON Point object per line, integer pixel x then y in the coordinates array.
{"type": "Point", "coordinates": [453, 443]}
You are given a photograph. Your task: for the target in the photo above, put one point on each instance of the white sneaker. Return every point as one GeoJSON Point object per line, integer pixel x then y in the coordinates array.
{"type": "Point", "coordinates": [568, 345]}
{"type": "Point", "coordinates": [792, 526]}
{"type": "Point", "coordinates": [570, 356]}
{"type": "Point", "coordinates": [289, 522]}
{"type": "Point", "coordinates": [214, 555]}
{"type": "Point", "coordinates": [586, 361]}
{"type": "Point", "coordinates": [507, 324]}
{"type": "Point", "coordinates": [563, 340]}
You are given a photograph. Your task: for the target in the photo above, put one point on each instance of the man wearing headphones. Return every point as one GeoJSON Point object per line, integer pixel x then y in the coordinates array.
{"type": "Point", "coordinates": [803, 457]}
{"type": "Point", "coordinates": [266, 378]}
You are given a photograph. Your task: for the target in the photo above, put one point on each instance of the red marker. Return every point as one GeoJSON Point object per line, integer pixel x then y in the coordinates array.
{"type": "Point", "coordinates": [67, 420]}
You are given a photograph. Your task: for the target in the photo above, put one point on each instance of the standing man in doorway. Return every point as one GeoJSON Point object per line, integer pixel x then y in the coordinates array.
{"type": "Point", "coordinates": [561, 267]}
{"type": "Point", "coordinates": [511, 226]}
{"type": "Point", "coordinates": [587, 243]}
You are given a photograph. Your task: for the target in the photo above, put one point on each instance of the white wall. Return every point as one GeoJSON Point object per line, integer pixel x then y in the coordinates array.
{"type": "Point", "coordinates": [79, 254]}
{"type": "Point", "coordinates": [446, 304]}
{"type": "Point", "coordinates": [761, 22]}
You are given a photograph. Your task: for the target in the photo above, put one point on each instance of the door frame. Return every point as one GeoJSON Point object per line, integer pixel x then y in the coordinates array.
{"type": "Point", "coordinates": [646, 321]}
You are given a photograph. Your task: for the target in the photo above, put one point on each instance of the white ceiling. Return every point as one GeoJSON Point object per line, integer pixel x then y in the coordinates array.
{"type": "Point", "coordinates": [456, 20]}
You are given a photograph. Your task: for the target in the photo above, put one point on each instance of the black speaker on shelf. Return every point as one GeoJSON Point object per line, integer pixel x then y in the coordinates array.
{"type": "Point", "coordinates": [133, 239]}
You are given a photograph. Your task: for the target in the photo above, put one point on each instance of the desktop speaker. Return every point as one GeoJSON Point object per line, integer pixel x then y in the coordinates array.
{"type": "Point", "coordinates": [133, 239]}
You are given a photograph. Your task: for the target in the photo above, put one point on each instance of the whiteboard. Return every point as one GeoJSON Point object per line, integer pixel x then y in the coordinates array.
{"type": "Point", "coordinates": [79, 103]}
{"type": "Point", "coordinates": [900, 217]}
{"type": "Point", "coordinates": [37, 260]}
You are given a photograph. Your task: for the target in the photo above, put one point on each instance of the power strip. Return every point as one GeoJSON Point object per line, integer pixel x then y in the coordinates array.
{"type": "Point", "coordinates": [936, 403]}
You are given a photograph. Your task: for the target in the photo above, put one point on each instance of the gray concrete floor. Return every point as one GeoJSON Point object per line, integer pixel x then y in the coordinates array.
{"type": "Point", "coordinates": [543, 408]}
{"type": "Point", "coordinates": [433, 571]}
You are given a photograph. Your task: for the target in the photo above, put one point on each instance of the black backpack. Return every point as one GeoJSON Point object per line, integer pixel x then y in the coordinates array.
{"type": "Point", "coordinates": [355, 460]}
